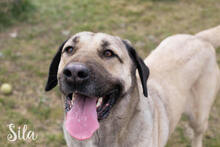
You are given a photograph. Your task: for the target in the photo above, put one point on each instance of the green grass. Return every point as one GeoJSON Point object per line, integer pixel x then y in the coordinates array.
{"type": "Point", "coordinates": [39, 25]}
{"type": "Point", "coordinates": [12, 12]}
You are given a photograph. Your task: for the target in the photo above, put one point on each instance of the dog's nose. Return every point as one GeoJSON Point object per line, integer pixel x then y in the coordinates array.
{"type": "Point", "coordinates": [76, 72]}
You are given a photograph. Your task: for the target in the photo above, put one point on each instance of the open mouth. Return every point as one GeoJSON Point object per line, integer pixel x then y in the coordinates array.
{"type": "Point", "coordinates": [83, 113]}
{"type": "Point", "coordinates": [103, 104]}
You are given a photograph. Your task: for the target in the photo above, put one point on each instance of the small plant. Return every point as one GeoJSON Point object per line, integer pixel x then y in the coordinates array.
{"type": "Point", "coordinates": [12, 11]}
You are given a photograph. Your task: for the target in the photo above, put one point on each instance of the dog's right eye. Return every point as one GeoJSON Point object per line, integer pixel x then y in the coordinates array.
{"type": "Point", "coordinates": [69, 49]}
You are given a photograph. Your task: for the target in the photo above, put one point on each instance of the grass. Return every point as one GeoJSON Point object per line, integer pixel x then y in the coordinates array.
{"type": "Point", "coordinates": [39, 26]}
{"type": "Point", "coordinates": [13, 11]}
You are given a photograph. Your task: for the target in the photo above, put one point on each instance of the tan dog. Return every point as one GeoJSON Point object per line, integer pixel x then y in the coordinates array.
{"type": "Point", "coordinates": [108, 105]}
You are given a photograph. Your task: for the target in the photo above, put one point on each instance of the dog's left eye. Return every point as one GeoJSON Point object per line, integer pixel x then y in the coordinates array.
{"type": "Point", "coordinates": [108, 53]}
{"type": "Point", "coordinates": [69, 49]}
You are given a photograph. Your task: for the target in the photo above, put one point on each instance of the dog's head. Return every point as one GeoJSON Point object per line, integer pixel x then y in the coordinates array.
{"type": "Point", "coordinates": [94, 70]}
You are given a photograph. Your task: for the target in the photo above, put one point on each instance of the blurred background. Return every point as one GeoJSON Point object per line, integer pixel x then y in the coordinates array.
{"type": "Point", "coordinates": [32, 30]}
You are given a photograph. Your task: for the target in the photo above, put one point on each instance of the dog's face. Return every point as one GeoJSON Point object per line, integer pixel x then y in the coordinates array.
{"type": "Point", "coordinates": [101, 58]}
{"type": "Point", "coordinates": [94, 70]}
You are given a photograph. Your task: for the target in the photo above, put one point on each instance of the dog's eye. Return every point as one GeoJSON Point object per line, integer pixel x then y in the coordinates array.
{"type": "Point", "coordinates": [69, 49]}
{"type": "Point", "coordinates": [108, 53]}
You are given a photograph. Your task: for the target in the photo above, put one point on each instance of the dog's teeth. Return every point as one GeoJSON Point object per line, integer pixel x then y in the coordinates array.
{"type": "Point", "coordinates": [99, 102]}
{"type": "Point", "coordinates": [72, 102]}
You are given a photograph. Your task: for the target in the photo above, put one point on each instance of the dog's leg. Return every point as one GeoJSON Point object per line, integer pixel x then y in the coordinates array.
{"type": "Point", "coordinates": [203, 94]}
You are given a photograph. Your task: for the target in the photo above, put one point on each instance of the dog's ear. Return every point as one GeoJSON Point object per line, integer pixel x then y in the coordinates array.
{"type": "Point", "coordinates": [143, 70]}
{"type": "Point", "coordinates": [52, 76]}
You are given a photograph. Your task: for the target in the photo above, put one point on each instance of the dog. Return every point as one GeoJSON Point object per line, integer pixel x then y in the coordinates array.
{"type": "Point", "coordinates": [113, 98]}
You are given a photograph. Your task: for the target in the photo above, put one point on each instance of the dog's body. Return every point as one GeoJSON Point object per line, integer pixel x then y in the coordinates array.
{"type": "Point", "coordinates": [184, 78]}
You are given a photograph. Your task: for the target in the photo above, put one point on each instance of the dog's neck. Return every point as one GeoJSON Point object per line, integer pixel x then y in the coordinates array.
{"type": "Point", "coordinates": [113, 129]}
{"type": "Point", "coordinates": [133, 119]}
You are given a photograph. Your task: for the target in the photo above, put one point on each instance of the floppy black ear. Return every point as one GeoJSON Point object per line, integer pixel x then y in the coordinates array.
{"type": "Point", "coordinates": [52, 76]}
{"type": "Point", "coordinates": [143, 70]}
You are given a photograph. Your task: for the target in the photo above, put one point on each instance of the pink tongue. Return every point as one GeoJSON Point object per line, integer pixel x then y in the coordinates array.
{"type": "Point", "coordinates": [81, 120]}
